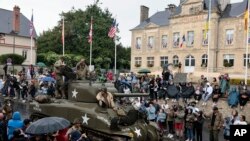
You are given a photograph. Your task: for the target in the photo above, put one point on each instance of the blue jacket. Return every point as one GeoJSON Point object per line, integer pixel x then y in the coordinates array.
{"type": "Point", "coordinates": [233, 98]}
{"type": "Point", "coordinates": [14, 123]}
{"type": "Point", "coordinates": [161, 117]}
{"type": "Point", "coordinates": [151, 113]}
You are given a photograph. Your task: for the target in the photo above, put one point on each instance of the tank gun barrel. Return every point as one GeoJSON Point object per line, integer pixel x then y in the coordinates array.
{"type": "Point", "coordinates": [131, 95]}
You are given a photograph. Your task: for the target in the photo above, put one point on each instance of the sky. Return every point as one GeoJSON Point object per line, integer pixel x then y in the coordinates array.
{"type": "Point", "coordinates": [127, 12]}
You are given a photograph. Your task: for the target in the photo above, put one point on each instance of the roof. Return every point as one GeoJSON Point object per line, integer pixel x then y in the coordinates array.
{"type": "Point", "coordinates": [6, 23]}
{"type": "Point", "coordinates": [234, 10]}
{"type": "Point", "coordinates": [162, 18]}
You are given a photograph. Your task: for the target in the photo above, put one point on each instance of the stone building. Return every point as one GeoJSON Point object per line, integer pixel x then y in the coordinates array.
{"type": "Point", "coordinates": [178, 34]}
{"type": "Point", "coordinates": [15, 34]}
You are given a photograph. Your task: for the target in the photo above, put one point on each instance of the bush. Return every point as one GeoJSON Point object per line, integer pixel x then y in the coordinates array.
{"type": "Point", "coordinates": [16, 59]}
{"type": "Point", "coordinates": [237, 81]}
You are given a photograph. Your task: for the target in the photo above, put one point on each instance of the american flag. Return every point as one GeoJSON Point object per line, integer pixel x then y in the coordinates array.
{"type": "Point", "coordinates": [112, 29]}
{"type": "Point", "coordinates": [91, 31]}
{"type": "Point", "coordinates": [31, 26]}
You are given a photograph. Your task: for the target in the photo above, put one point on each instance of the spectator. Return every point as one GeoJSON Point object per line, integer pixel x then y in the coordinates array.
{"type": "Point", "coordinates": [224, 85]}
{"type": "Point", "coordinates": [233, 99]}
{"type": "Point", "coordinates": [14, 123]}
{"type": "Point", "coordinates": [243, 97]}
{"type": "Point", "coordinates": [198, 125]}
{"type": "Point", "coordinates": [161, 120]}
{"type": "Point", "coordinates": [151, 112]}
{"type": "Point", "coordinates": [76, 127]}
{"type": "Point", "coordinates": [214, 82]}
{"type": "Point", "coordinates": [179, 122]}
{"type": "Point", "coordinates": [202, 81]}
{"type": "Point", "coordinates": [242, 121]}
{"type": "Point", "coordinates": [226, 126]}
{"type": "Point", "coordinates": [216, 123]}
{"type": "Point", "coordinates": [170, 120]}
{"type": "Point", "coordinates": [26, 123]}
{"type": "Point", "coordinates": [2, 129]}
{"type": "Point", "coordinates": [77, 136]}
{"type": "Point", "coordinates": [18, 135]}
{"type": "Point", "coordinates": [197, 94]}
{"type": "Point", "coordinates": [234, 117]}
{"type": "Point", "coordinates": [189, 125]}
{"type": "Point", "coordinates": [208, 90]}
{"type": "Point", "coordinates": [216, 95]}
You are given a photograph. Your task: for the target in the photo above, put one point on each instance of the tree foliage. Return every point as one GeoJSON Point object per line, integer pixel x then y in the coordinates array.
{"type": "Point", "coordinates": [77, 26]}
{"type": "Point", "coordinates": [16, 59]}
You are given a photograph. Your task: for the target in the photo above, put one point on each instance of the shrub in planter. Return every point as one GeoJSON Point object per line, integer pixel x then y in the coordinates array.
{"type": "Point", "coordinates": [204, 65]}
{"type": "Point", "coordinates": [16, 59]}
{"type": "Point", "coordinates": [150, 65]}
{"type": "Point", "coordinates": [137, 65]}
{"type": "Point", "coordinates": [227, 64]}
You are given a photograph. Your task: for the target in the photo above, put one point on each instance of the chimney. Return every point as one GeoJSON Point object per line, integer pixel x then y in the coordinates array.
{"type": "Point", "coordinates": [16, 19]}
{"type": "Point", "coordinates": [172, 8]}
{"type": "Point", "coordinates": [144, 13]}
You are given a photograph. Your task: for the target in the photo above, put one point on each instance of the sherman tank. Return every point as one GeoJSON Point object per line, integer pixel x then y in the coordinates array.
{"type": "Point", "coordinates": [82, 104]}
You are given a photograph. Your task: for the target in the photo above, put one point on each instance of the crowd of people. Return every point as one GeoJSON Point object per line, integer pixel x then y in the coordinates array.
{"type": "Point", "coordinates": [175, 119]}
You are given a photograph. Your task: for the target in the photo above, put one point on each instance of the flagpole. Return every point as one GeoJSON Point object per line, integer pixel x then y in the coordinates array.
{"type": "Point", "coordinates": [90, 52]}
{"type": "Point", "coordinates": [208, 44]}
{"type": "Point", "coordinates": [63, 36]}
{"type": "Point", "coordinates": [115, 53]}
{"type": "Point", "coordinates": [246, 69]}
{"type": "Point", "coordinates": [31, 42]}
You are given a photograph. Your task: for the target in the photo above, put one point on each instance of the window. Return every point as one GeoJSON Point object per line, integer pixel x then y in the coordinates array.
{"type": "Point", "coordinates": [176, 39]}
{"type": "Point", "coordinates": [246, 59]}
{"type": "Point", "coordinates": [190, 61]}
{"type": "Point", "coordinates": [24, 54]}
{"type": "Point", "coordinates": [204, 37]}
{"type": "Point", "coordinates": [175, 60]}
{"type": "Point", "coordinates": [228, 60]}
{"type": "Point", "coordinates": [138, 43]}
{"type": "Point", "coordinates": [164, 60]}
{"type": "Point", "coordinates": [190, 38]}
{"type": "Point", "coordinates": [137, 61]}
{"type": "Point", "coordinates": [164, 41]}
{"type": "Point", "coordinates": [150, 42]}
{"type": "Point", "coordinates": [204, 60]}
{"type": "Point", "coordinates": [150, 61]}
{"type": "Point", "coordinates": [229, 36]}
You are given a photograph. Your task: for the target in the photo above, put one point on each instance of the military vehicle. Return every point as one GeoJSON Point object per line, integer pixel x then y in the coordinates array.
{"type": "Point", "coordinates": [82, 104]}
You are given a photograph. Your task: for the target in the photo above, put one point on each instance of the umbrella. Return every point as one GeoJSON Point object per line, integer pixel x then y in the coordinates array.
{"type": "Point", "coordinates": [47, 125]}
{"type": "Point", "coordinates": [144, 71]}
{"type": "Point", "coordinates": [41, 64]}
{"type": "Point", "coordinates": [48, 79]}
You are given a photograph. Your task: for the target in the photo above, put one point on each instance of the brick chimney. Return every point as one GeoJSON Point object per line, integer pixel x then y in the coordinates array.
{"type": "Point", "coordinates": [172, 8]}
{"type": "Point", "coordinates": [16, 19]}
{"type": "Point", "coordinates": [144, 13]}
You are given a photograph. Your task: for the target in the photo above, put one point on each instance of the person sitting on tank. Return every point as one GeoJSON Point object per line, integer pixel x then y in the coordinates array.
{"type": "Point", "coordinates": [105, 98]}
{"type": "Point", "coordinates": [60, 91]}
{"type": "Point", "coordinates": [82, 70]}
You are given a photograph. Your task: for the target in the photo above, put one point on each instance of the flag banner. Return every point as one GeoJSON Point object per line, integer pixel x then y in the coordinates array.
{"type": "Point", "coordinates": [63, 31]}
{"type": "Point", "coordinates": [183, 41]}
{"type": "Point", "coordinates": [91, 31]}
{"type": "Point", "coordinates": [31, 26]}
{"type": "Point", "coordinates": [112, 30]}
{"type": "Point", "coordinates": [246, 18]}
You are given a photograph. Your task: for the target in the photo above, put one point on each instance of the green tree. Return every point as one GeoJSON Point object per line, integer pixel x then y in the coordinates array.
{"type": "Point", "coordinates": [77, 26]}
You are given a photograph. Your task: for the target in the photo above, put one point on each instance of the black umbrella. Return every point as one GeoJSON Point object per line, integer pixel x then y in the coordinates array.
{"type": "Point", "coordinates": [47, 125]}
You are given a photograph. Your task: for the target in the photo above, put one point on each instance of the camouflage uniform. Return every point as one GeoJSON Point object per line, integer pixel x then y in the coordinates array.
{"type": "Point", "coordinates": [81, 70]}
{"type": "Point", "coordinates": [59, 78]}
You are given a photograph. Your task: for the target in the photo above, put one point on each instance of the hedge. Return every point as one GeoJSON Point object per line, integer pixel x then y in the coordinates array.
{"type": "Point", "coordinates": [237, 81]}
{"type": "Point", "coordinates": [16, 59]}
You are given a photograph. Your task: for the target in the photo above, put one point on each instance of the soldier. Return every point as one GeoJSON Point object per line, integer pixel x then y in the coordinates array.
{"type": "Point", "coordinates": [82, 70]}
{"type": "Point", "coordinates": [60, 91]}
{"type": "Point", "coordinates": [105, 99]}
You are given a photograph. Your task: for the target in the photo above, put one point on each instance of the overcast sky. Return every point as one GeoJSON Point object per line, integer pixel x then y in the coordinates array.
{"type": "Point", "coordinates": [127, 12]}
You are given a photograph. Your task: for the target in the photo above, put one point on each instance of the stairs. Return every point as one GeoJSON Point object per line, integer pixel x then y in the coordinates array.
{"type": "Point", "coordinates": [180, 77]}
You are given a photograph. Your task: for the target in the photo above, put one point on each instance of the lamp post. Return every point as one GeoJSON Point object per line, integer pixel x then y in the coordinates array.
{"type": "Point", "coordinates": [14, 33]}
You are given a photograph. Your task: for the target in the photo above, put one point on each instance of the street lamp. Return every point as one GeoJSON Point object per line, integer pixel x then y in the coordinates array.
{"type": "Point", "coordinates": [14, 33]}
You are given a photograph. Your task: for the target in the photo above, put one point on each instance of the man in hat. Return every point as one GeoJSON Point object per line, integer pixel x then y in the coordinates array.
{"type": "Point", "coordinates": [60, 91]}
{"type": "Point", "coordinates": [82, 69]}
{"type": "Point", "coordinates": [105, 98]}
{"type": "Point", "coordinates": [216, 123]}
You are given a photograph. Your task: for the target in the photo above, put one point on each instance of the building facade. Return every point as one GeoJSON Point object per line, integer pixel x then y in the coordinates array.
{"type": "Point", "coordinates": [179, 34]}
{"type": "Point", "coordinates": [15, 35]}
